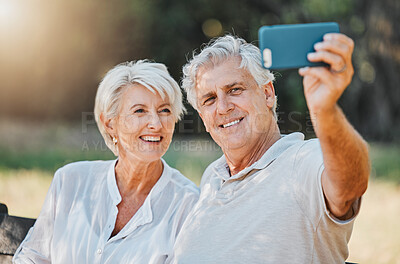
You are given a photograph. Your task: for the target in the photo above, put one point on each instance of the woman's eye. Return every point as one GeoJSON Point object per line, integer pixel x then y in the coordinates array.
{"type": "Point", "coordinates": [166, 110]}
{"type": "Point", "coordinates": [139, 111]}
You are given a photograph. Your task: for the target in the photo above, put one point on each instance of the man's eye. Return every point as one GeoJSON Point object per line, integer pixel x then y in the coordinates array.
{"type": "Point", "coordinates": [235, 90]}
{"type": "Point", "coordinates": [139, 111]}
{"type": "Point", "coordinates": [209, 101]}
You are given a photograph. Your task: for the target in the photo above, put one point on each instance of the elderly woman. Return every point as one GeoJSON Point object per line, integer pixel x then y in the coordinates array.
{"type": "Point", "coordinates": [127, 210]}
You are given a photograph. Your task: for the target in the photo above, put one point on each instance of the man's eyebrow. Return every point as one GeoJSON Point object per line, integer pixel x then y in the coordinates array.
{"type": "Point", "coordinates": [225, 87]}
{"type": "Point", "coordinates": [232, 84]}
{"type": "Point", "coordinates": [207, 95]}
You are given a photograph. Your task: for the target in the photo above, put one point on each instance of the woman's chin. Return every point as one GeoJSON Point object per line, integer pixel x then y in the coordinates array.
{"type": "Point", "coordinates": [147, 153]}
{"type": "Point", "coordinates": [152, 155]}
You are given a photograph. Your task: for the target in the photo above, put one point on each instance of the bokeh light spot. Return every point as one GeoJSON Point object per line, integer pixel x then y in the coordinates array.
{"type": "Point", "coordinates": [212, 28]}
{"type": "Point", "coordinates": [367, 72]}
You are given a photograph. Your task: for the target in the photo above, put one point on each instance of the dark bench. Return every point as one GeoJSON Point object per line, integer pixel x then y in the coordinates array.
{"type": "Point", "coordinates": [13, 230]}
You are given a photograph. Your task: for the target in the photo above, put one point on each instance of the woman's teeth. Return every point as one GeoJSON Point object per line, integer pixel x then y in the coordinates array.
{"type": "Point", "coordinates": [150, 138]}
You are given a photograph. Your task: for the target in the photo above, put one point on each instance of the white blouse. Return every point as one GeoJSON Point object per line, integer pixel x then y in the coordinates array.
{"type": "Point", "coordinates": [80, 210]}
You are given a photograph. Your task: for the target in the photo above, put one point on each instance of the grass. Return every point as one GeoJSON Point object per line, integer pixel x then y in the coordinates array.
{"type": "Point", "coordinates": [385, 161]}
{"type": "Point", "coordinates": [23, 191]}
{"type": "Point", "coordinates": [376, 233]}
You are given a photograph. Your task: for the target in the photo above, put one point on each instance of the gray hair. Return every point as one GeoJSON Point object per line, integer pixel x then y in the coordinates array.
{"type": "Point", "coordinates": [222, 49]}
{"type": "Point", "coordinates": [153, 76]}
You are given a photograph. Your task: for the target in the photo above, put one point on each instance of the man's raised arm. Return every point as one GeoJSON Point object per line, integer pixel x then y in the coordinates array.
{"type": "Point", "coordinates": [345, 153]}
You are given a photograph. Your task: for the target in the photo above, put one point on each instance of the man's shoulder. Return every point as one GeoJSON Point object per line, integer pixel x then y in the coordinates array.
{"type": "Point", "coordinates": [307, 148]}
{"type": "Point", "coordinates": [297, 154]}
{"type": "Point", "coordinates": [218, 162]}
{"type": "Point", "coordinates": [210, 170]}
{"type": "Point", "coordinates": [300, 146]}
{"type": "Point", "coordinates": [307, 159]}
{"type": "Point", "coordinates": [181, 182]}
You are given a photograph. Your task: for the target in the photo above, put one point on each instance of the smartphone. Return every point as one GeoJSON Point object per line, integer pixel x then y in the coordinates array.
{"type": "Point", "coordinates": [287, 46]}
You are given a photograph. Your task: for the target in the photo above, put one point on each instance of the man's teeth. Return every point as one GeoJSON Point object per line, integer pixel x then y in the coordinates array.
{"type": "Point", "coordinates": [152, 139]}
{"type": "Point", "coordinates": [231, 123]}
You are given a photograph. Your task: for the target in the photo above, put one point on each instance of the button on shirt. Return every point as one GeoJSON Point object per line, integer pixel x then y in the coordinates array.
{"type": "Point", "coordinates": [80, 211]}
{"type": "Point", "coordinates": [273, 211]}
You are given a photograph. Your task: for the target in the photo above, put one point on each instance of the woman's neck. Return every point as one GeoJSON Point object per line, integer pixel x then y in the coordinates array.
{"type": "Point", "coordinates": [138, 177]}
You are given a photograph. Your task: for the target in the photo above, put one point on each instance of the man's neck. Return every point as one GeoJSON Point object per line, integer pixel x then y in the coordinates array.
{"type": "Point", "coordinates": [242, 158]}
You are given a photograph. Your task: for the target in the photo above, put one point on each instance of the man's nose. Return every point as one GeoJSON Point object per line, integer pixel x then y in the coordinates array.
{"type": "Point", "coordinates": [224, 106]}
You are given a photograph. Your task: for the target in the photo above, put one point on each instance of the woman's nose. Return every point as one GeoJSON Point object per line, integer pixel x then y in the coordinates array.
{"type": "Point", "coordinates": [154, 122]}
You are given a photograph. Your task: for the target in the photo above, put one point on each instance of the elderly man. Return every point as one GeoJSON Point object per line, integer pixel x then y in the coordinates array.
{"type": "Point", "coordinates": [273, 198]}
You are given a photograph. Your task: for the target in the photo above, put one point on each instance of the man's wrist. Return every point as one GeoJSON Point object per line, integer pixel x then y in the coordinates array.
{"type": "Point", "coordinates": [325, 112]}
{"type": "Point", "coordinates": [323, 119]}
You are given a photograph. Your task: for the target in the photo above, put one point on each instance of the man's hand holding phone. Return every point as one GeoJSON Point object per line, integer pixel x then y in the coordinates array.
{"type": "Point", "coordinates": [319, 50]}
{"type": "Point", "coordinates": [323, 86]}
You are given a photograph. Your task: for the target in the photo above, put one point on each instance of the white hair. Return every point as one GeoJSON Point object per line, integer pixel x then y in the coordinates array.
{"type": "Point", "coordinates": [222, 49]}
{"type": "Point", "coordinates": [153, 76]}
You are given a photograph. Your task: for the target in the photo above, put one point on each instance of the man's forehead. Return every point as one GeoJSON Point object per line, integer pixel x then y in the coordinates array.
{"type": "Point", "coordinates": [232, 62]}
{"type": "Point", "coordinates": [222, 74]}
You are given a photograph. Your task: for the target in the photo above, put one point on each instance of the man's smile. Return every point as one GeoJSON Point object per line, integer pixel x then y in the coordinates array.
{"type": "Point", "coordinates": [231, 123]}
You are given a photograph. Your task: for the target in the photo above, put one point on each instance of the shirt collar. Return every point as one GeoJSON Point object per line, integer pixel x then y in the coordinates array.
{"type": "Point", "coordinates": [112, 184]}
{"type": "Point", "coordinates": [277, 149]}
{"type": "Point", "coordinates": [162, 181]}
{"type": "Point", "coordinates": [222, 170]}
{"type": "Point", "coordinates": [144, 215]}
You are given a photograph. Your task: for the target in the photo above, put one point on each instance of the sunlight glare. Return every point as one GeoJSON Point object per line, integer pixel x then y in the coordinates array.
{"type": "Point", "coordinates": [8, 10]}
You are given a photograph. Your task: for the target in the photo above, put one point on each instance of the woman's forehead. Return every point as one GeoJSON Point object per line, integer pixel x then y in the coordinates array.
{"type": "Point", "coordinates": [139, 94]}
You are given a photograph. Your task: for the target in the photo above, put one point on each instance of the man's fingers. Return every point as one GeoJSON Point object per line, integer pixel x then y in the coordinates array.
{"type": "Point", "coordinates": [321, 73]}
{"type": "Point", "coordinates": [341, 38]}
{"type": "Point", "coordinates": [336, 49]}
{"type": "Point", "coordinates": [310, 81]}
{"type": "Point", "coordinates": [334, 46]}
{"type": "Point", "coordinates": [336, 62]}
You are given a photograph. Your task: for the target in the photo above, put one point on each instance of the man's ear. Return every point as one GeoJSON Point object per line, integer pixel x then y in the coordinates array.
{"type": "Point", "coordinates": [269, 92]}
{"type": "Point", "coordinates": [109, 124]}
{"type": "Point", "coordinates": [201, 116]}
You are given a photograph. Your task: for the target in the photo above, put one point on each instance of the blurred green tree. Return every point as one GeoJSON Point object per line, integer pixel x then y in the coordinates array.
{"type": "Point", "coordinates": [53, 58]}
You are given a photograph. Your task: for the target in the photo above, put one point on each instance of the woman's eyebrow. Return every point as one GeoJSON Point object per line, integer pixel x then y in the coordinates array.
{"type": "Point", "coordinates": [165, 104]}
{"type": "Point", "coordinates": [135, 105]}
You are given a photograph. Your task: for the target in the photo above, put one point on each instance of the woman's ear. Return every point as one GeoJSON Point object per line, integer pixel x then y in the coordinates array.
{"type": "Point", "coordinates": [269, 92]}
{"type": "Point", "coordinates": [109, 124]}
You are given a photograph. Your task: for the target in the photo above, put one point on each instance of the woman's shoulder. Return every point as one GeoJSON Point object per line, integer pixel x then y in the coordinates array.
{"type": "Point", "coordinates": [84, 166]}
{"type": "Point", "coordinates": [84, 169]}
